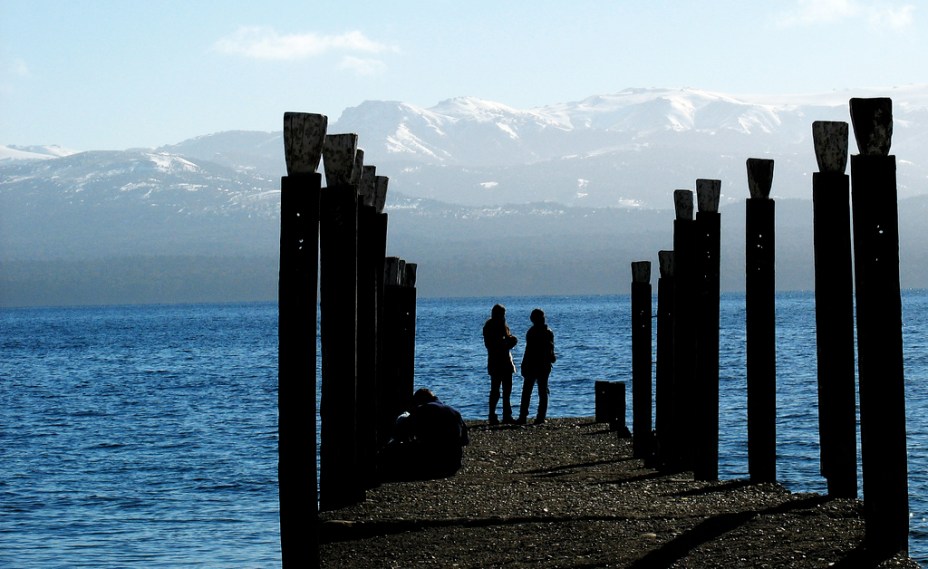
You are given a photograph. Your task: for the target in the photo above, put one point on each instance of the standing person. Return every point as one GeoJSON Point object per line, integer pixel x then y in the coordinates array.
{"type": "Point", "coordinates": [499, 341]}
{"type": "Point", "coordinates": [536, 366]}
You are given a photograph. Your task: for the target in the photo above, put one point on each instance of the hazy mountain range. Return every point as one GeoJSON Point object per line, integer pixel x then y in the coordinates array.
{"type": "Point", "coordinates": [487, 199]}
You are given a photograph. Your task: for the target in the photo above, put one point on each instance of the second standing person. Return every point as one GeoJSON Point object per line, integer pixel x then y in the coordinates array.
{"type": "Point", "coordinates": [536, 366]}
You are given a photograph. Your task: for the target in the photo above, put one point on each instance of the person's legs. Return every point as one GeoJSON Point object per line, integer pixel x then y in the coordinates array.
{"type": "Point", "coordinates": [527, 385]}
{"type": "Point", "coordinates": [495, 382]}
{"type": "Point", "coordinates": [507, 394]}
{"type": "Point", "coordinates": [542, 399]}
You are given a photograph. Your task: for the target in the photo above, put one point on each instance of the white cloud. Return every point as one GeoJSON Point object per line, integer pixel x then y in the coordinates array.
{"type": "Point", "coordinates": [877, 14]}
{"type": "Point", "coordinates": [266, 43]}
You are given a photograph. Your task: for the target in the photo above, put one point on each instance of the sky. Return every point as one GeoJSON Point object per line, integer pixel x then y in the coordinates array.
{"type": "Point", "coordinates": [117, 74]}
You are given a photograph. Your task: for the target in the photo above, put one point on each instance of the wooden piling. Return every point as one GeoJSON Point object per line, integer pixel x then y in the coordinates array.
{"type": "Point", "coordinates": [371, 247]}
{"type": "Point", "coordinates": [708, 227]}
{"type": "Point", "coordinates": [296, 388]}
{"type": "Point", "coordinates": [340, 482]}
{"type": "Point", "coordinates": [399, 333]}
{"type": "Point", "coordinates": [879, 328]}
{"type": "Point", "coordinates": [682, 440]}
{"type": "Point", "coordinates": [641, 359]}
{"type": "Point", "coordinates": [760, 312]}
{"type": "Point", "coordinates": [834, 309]}
{"type": "Point", "coordinates": [663, 372]}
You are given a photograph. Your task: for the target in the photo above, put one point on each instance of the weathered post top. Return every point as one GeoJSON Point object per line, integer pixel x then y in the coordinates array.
{"type": "Point", "coordinates": [873, 125]}
{"type": "Point", "coordinates": [367, 185]}
{"type": "Point", "coordinates": [394, 271]}
{"type": "Point", "coordinates": [830, 139]}
{"type": "Point", "coordinates": [683, 204]}
{"type": "Point", "coordinates": [409, 274]}
{"type": "Point", "coordinates": [641, 272]}
{"type": "Point", "coordinates": [304, 135]}
{"type": "Point", "coordinates": [665, 262]}
{"type": "Point", "coordinates": [339, 151]}
{"type": "Point", "coordinates": [380, 192]}
{"type": "Point", "coordinates": [760, 177]}
{"type": "Point", "coordinates": [708, 193]}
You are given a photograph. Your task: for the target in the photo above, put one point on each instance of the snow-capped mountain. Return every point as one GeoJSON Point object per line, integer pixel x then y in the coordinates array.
{"type": "Point", "coordinates": [585, 184]}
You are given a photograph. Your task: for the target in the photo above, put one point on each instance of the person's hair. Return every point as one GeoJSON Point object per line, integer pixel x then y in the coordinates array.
{"type": "Point", "coordinates": [423, 396]}
{"type": "Point", "coordinates": [537, 317]}
{"type": "Point", "coordinates": [499, 311]}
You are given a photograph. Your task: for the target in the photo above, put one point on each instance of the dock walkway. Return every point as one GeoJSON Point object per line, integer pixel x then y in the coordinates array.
{"type": "Point", "coordinates": [568, 494]}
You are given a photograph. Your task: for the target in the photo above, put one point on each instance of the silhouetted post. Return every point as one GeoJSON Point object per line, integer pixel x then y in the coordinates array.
{"type": "Point", "coordinates": [682, 439]}
{"type": "Point", "coordinates": [708, 225]}
{"type": "Point", "coordinates": [378, 245]}
{"type": "Point", "coordinates": [400, 332]}
{"type": "Point", "coordinates": [370, 269]}
{"type": "Point", "coordinates": [760, 311]}
{"type": "Point", "coordinates": [834, 309]}
{"type": "Point", "coordinates": [879, 328]}
{"type": "Point", "coordinates": [641, 359]}
{"type": "Point", "coordinates": [663, 373]}
{"type": "Point", "coordinates": [296, 372]}
{"type": "Point", "coordinates": [339, 481]}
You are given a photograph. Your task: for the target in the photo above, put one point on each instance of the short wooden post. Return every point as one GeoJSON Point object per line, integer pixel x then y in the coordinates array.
{"type": "Point", "coordinates": [760, 313]}
{"type": "Point", "coordinates": [339, 482]}
{"type": "Point", "coordinates": [834, 309]}
{"type": "Point", "coordinates": [879, 328]}
{"type": "Point", "coordinates": [663, 372]}
{"type": "Point", "coordinates": [682, 440]}
{"type": "Point", "coordinates": [610, 405]}
{"type": "Point", "coordinates": [641, 359]}
{"type": "Point", "coordinates": [296, 373]}
{"type": "Point", "coordinates": [708, 226]}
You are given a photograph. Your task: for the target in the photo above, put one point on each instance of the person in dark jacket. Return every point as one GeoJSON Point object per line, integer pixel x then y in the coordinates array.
{"type": "Point", "coordinates": [428, 441]}
{"type": "Point", "coordinates": [499, 341]}
{"type": "Point", "coordinates": [536, 366]}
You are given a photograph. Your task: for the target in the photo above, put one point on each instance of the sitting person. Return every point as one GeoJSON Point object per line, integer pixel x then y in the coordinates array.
{"type": "Point", "coordinates": [428, 441]}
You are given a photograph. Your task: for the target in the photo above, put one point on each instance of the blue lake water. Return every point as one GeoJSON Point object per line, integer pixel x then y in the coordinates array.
{"type": "Point", "coordinates": [145, 436]}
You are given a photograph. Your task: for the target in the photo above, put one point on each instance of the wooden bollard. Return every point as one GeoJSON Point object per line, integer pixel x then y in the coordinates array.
{"type": "Point", "coordinates": [609, 401]}
{"type": "Point", "coordinates": [879, 328]}
{"type": "Point", "coordinates": [663, 372]}
{"type": "Point", "coordinates": [296, 373]}
{"type": "Point", "coordinates": [340, 482]}
{"type": "Point", "coordinates": [682, 440]}
{"type": "Point", "coordinates": [708, 226]}
{"type": "Point", "coordinates": [641, 360]}
{"type": "Point", "coordinates": [760, 314]}
{"type": "Point", "coordinates": [834, 309]}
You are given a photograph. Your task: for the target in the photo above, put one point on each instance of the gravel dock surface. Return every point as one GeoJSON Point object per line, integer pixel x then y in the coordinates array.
{"type": "Point", "coordinates": [568, 494]}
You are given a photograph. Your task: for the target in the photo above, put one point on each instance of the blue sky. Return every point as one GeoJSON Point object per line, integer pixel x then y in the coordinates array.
{"type": "Point", "coordinates": [119, 74]}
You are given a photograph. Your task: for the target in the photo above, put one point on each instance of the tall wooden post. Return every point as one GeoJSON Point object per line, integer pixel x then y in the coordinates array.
{"type": "Point", "coordinates": [708, 226]}
{"type": "Point", "coordinates": [400, 336]}
{"type": "Point", "coordinates": [370, 270]}
{"type": "Point", "coordinates": [641, 359]}
{"type": "Point", "coordinates": [681, 448]}
{"type": "Point", "coordinates": [339, 481]}
{"type": "Point", "coordinates": [296, 374]}
{"type": "Point", "coordinates": [663, 373]}
{"type": "Point", "coordinates": [760, 309]}
{"type": "Point", "coordinates": [834, 309]}
{"type": "Point", "coordinates": [879, 328]}
{"type": "Point", "coordinates": [385, 416]}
